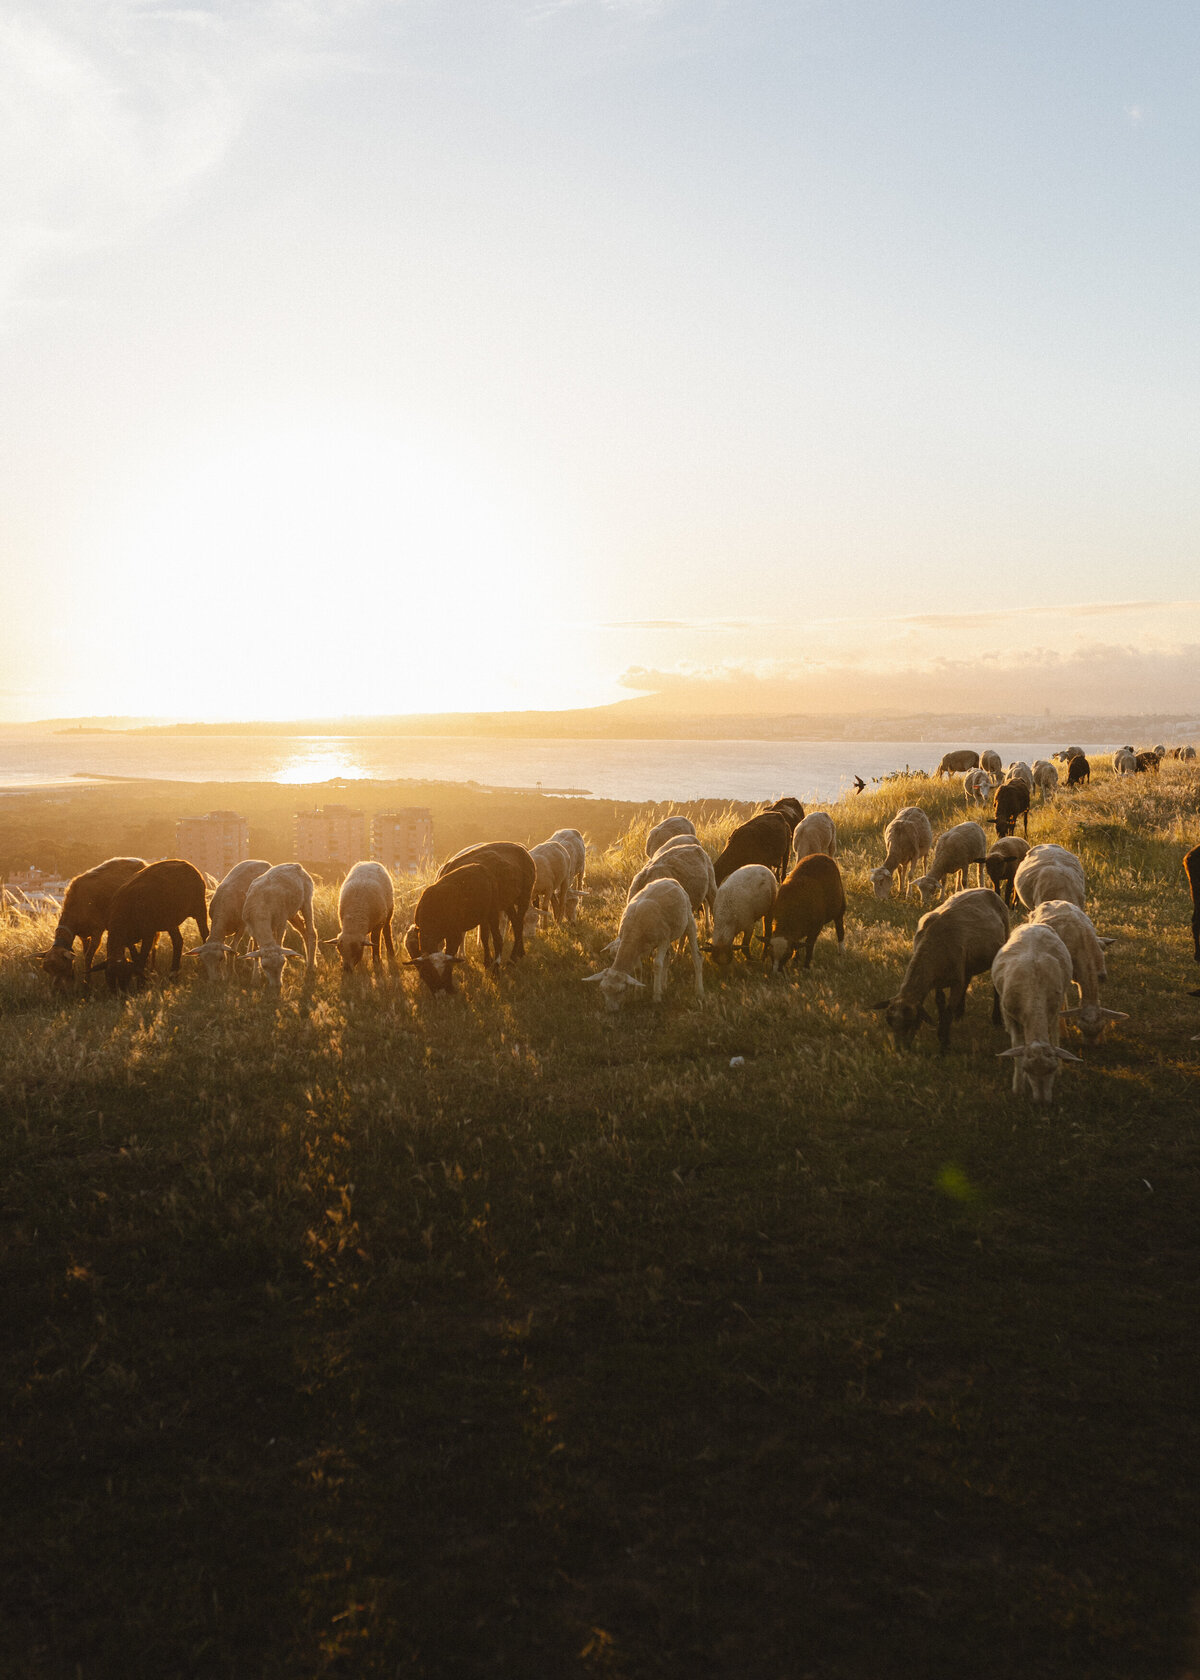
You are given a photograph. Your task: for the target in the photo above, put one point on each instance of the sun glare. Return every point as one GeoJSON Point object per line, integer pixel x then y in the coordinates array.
{"type": "Point", "coordinates": [324, 573]}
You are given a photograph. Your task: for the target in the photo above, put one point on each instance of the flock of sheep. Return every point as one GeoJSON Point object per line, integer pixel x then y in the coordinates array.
{"type": "Point", "coordinates": [778, 872]}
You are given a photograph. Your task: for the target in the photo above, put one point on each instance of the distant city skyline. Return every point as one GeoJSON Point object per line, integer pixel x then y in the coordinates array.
{"type": "Point", "coordinates": [377, 358]}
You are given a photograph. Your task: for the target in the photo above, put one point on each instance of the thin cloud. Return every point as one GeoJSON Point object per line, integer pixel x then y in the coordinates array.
{"type": "Point", "coordinates": [680, 624]}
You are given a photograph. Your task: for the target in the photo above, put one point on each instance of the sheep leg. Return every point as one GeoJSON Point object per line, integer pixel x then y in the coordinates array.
{"type": "Point", "coordinates": [661, 957]}
{"type": "Point", "coordinates": [176, 939]}
{"type": "Point", "coordinates": [697, 959]}
{"type": "Point", "coordinates": [389, 947]}
{"type": "Point", "coordinates": [375, 957]}
{"type": "Point", "coordinates": [997, 1016]}
{"type": "Point", "coordinates": [810, 945]}
{"type": "Point", "coordinates": [839, 926]}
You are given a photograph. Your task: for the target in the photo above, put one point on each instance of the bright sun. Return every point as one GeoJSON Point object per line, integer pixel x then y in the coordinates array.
{"type": "Point", "coordinates": [314, 572]}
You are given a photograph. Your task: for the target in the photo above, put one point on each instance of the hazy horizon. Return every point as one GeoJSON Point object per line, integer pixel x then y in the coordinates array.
{"type": "Point", "coordinates": [370, 358]}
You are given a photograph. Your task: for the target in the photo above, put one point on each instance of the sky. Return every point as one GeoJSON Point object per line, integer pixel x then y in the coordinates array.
{"type": "Point", "coordinates": [383, 356]}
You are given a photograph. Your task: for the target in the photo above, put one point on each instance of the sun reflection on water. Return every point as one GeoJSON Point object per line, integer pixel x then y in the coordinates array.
{"type": "Point", "coordinates": [321, 764]}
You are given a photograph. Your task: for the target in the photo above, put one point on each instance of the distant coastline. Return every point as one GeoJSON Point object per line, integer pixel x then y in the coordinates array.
{"type": "Point", "coordinates": [633, 720]}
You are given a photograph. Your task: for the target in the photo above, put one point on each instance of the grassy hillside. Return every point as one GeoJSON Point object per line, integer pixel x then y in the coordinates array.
{"type": "Point", "coordinates": [379, 1333]}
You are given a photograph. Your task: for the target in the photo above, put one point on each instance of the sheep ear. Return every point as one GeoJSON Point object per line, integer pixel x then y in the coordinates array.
{"type": "Point", "coordinates": [1106, 941]}
{"type": "Point", "coordinates": [886, 1004]}
{"type": "Point", "coordinates": [334, 941]}
{"type": "Point", "coordinates": [630, 981]}
{"type": "Point", "coordinates": [590, 979]}
{"type": "Point", "coordinates": [1114, 1014]}
{"type": "Point", "coordinates": [1001, 1054]}
{"type": "Point", "coordinates": [613, 945]}
{"type": "Point", "coordinates": [1067, 1056]}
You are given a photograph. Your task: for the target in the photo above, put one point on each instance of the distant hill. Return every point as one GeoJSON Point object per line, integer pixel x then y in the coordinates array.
{"type": "Point", "coordinates": [643, 718]}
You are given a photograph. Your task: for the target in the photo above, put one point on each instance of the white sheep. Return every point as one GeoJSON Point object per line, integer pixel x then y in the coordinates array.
{"type": "Point", "coordinates": [366, 904]}
{"type": "Point", "coordinates": [909, 839]}
{"type": "Point", "coordinates": [1019, 771]}
{"type": "Point", "coordinates": [1074, 927]}
{"type": "Point", "coordinates": [668, 829]}
{"type": "Point", "coordinates": [990, 761]}
{"type": "Point", "coordinates": [1031, 973]}
{"type": "Point", "coordinates": [977, 785]}
{"type": "Point", "coordinates": [815, 834]}
{"type": "Point", "coordinates": [225, 921]}
{"type": "Point", "coordinates": [554, 869]}
{"type": "Point", "coordinates": [743, 900]}
{"type": "Point", "coordinates": [1125, 762]}
{"type": "Point", "coordinates": [956, 850]}
{"type": "Point", "coordinates": [575, 847]}
{"type": "Point", "coordinates": [283, 895]}
{"type": "Point", "coordinates": [690, 865]}
{"type": "Point", "coordinates": [651, 923]}
{"type": "Point", "coordinates": [1045, 778]}
{"type": "Point", "coordinates": [1050, 871]}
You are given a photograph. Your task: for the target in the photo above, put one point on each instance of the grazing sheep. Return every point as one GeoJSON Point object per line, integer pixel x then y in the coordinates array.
{"type": "Point", "coordinates": [281, 897]}
{"type": "Point", "coordinates": [990, 761]}
{"type": "Point", "coordinates": [951, 946]}
{"type": "Point", "coordinates": [956, 850]}
{"type": "Point", "coordinates": [1148, 760]}
{"type": "Point", "coordinates": [1050, 872]}
{"type": "Point", "coordinates": [1045, 778]}
{"type": "Point", "coordinates": [155, 900]}
{"type": "Point", "coordinates": [766, 838]}
{"type": "Point", "coordinates": [1001, 864]}
{"type": "Point", "coordinates": [1187, 753]}
{"type": "Point", "coordinates": [977, 786]}
{"type": "Point", "coordinates": [1074, 927]}
{"type": "Point", "coordinates": [1191, 867]}
{"type": "Point", "coordinates": [650, 923]}
{"type": "Point", "coordinates": [1079, 771]}
{"type": "Point", "coordinates": [666, 830]}
{"type": "Point", "coordinates": [226, 925]}
{"type": "Point", "coordinates": [515, 873]}
{"type": "Point", "coordinates": [815, 834]}
{"type": "Point", "coordinates": [1125, 762]}
{"type": "Point", "coordinates": [366, 904]}
{"type": "Point", "coordinates": [84, 915]}
{"type": "Point", "coordinates": [553, 870]}
{"type": "Point", "coordinates": [743, 900]}
{"type": "Point", "coordinates": [446, 912]}
{"type": "Point", "coordinates": [909, 840]}
{"type": "Point", "coordinates": [1066, 754]}
{"type": "Point", "coordinates": [953, 762]}
{"type": "Point", "coordinates": [1019, 771]}
{"type": "Point", "coordinates": [1031, 973]}
{"type": "Point", "coordinates": [1012, 801]}
{"type": "Point", "coordinates": [575, 847]}
{"type": "Point", "coordinates": [810, 898]}
{"type": "Point", "coordinates": [690, 865]}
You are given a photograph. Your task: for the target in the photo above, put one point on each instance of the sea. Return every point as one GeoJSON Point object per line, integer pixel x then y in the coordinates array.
{"type": "Point", "coordinates": [621, 770]}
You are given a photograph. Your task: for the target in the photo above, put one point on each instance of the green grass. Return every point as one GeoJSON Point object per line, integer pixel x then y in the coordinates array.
{"type": "Point", "coordinates": [383, 1334]}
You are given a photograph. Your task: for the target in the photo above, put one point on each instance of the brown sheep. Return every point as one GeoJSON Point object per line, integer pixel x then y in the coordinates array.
{"type": "Point", "coordinates": [952, 944]}
{"type": "Point", "coordinates": [1079, 771]}
{"type": "Point", "coordinates": [1001, 864]}
{"type": "Point", "coordinates": [953, 763]}
{"type": "Point", "coordinates": [85, 914]}
{"type": "Point", "coordinates": [1012, 801]}
{"type": "Point", "coordinates": [514, 872]}
{"type": "Point", "coordinates": [766, 838]}
{"type": "Point", "coordinates": [446, 912]}
{"type": "Point", "coordinates": [810, 898]}
{"type": "Point", "coordinates": [156, 900]}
